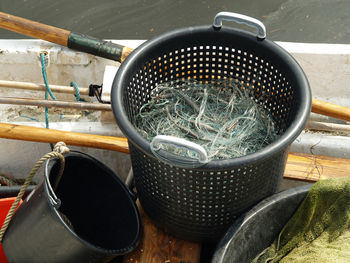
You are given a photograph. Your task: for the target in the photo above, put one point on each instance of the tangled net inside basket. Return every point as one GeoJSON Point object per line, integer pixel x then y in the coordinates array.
{"type": "Point", "coordinates": [220, 116]}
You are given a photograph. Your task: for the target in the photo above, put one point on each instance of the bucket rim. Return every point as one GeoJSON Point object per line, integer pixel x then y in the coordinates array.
{"type": "Point", "coordinates": [245, 218]}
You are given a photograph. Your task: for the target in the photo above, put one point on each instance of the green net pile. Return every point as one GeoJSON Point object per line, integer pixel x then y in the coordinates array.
{"type": "Point", "coordinates": [319, 231]}
{"type": "Point", "coordinates": [220, 116]}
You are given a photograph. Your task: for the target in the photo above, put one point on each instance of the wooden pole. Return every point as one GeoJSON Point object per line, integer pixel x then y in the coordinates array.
{"type": "Point", "coordinates": [34, 134]}
{"type": "Point", "coordinates": [330, 109]}
{"type": "Point", "coordinates": [64, 37]}
{"type": "Point", "coordinates": [41, 87]}
{"type": "Point", "coordinates": [329, 127]}
{"type": "Point", "coordinates": [34, 29]}
{"type": "Point", "coordinates": [318, 106]}
{"type": "Point", "coordinates": [116, 52]}
{"type": "Point", "coordinates": [56, 104]}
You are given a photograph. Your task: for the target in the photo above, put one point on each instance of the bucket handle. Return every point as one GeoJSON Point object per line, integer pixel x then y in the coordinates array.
{"type": "Point", "coordinates": [177, 160]}
{"type": "Point", "coordinates": [55, 201]}
{"type": "Point", "coordinates": [240, 19]}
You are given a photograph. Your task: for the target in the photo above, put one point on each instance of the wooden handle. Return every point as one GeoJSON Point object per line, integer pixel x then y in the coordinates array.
{"type": "Point", "coordinates": [34, 29]}
{"type": "Point", "coordinates": [64, 37]}
{"type": "Point", "coordinates": [28, 133]}
{"type": "Point", "coordinates": [126, 52]}
{"type": "Point", "coordinates": [330, 109]}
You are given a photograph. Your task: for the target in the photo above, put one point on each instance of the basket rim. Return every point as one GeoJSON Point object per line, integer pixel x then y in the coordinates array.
{"type": "Point", "coordinates": [278, 145]}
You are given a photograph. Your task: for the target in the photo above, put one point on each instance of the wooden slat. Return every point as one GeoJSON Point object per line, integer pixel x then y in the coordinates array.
{"type": "Point", "coordinates": [307, 167]}
{"type": "Point", "coordinates": [159, 247]}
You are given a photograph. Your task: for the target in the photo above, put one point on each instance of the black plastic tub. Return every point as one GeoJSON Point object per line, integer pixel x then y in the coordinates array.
{"type": "Point", "coordinates": [257, 229]}
{"type": "Point", "coordinates": [201, 201]}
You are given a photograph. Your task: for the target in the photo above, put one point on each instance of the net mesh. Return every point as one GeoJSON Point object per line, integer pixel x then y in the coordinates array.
{"type": "Point", "coordinates": [219, 115]}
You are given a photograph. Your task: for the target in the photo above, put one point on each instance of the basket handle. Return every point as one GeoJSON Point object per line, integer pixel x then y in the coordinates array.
{"type": "Point", "coordinates": [176, 160]}
{"type": "Point", "coordinates": [240, 19]}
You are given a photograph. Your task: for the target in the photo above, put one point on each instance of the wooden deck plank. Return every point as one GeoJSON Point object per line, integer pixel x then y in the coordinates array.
{"type": "Point", "coordinates": [159, 247]}
{"type": "Point", "coordinates": [311, 168]}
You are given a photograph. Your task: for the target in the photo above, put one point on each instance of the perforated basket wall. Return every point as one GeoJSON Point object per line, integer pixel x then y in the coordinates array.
{"type": "Point", "coordinates": [199, 204]}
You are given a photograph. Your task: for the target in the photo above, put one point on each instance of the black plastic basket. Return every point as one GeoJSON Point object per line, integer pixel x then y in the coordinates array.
{"type": "Point", "coordinates": [200, 203]}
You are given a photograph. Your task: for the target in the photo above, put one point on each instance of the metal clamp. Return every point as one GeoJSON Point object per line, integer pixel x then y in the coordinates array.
{"type": "Point", "coordinates": [177, 160]}
{"type": "Point", "coordinates": [240, 19]}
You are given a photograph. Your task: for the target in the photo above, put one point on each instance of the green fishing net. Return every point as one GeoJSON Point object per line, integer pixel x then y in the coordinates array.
{"type": "Point", "coordinates": [220, 115]}
{"type": "Point", "coordinates": [319, 231]}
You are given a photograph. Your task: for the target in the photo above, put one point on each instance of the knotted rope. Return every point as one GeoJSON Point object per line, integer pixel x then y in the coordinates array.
{"type": "Point", "coordinates": [59, 149]}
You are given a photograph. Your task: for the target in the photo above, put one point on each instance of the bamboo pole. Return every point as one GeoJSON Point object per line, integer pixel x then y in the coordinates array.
{"type": "Point", "coordinates": [35, 134]}
{"type": "Point", "coordinates": [41, 87]}
{"type": "Point", "coordinates": [56, 104]}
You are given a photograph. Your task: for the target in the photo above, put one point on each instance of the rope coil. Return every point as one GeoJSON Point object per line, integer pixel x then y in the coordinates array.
{"type": "Point", "coordinates": [59, 149]}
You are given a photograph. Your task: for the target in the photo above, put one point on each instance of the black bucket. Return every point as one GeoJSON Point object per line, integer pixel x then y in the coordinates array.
{"type": "Point", "coordinates": [257, 229]}
{"type": "Point", "coordinates": [91, 217]}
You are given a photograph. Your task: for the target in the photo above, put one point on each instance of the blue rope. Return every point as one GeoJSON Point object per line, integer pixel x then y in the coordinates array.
{"type": "Point", "coordinates": [77, 93]}
{"type": "Point", "coordinates": [47, 92]}
{"type": "Point", "coordinates": [46, 117]}
{"type": "Point", "coordinates": [43, 69]}
{"type": "Point", "coordinates": [28, 117]}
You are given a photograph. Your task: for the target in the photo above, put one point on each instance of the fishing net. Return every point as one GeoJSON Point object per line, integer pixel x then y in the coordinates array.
{"type": "Point", "coordinates": [220, 115]}
{"type": "Point", "coordinates": [319, 231]}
